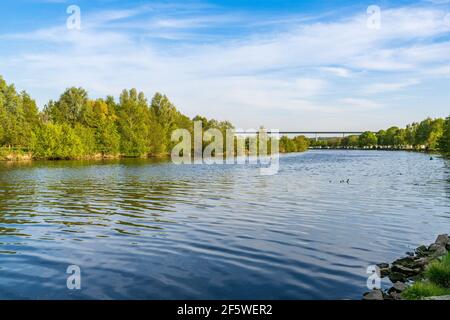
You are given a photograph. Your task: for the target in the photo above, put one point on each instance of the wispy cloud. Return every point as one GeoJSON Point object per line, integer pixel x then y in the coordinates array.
{"type": "Point", "coordinates": [389, 86]}
{"type": "Point", "coordinates": [224, 64]}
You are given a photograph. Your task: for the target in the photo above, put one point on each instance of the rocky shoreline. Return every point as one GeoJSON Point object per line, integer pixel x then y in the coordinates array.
{"type": "Point", "coordinates": [409, 269]}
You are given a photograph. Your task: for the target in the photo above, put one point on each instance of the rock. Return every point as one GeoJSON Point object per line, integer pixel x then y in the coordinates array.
{"type": "Point", "coordinates": [385, 272]}
{"type": "Point", "coordinates": [395, 296]}
{"type": "Point", "coordinates": [397, 287]}
{"type": "Point", "coordinates": [421, 263]}
{"type": "Point", "coordinates": [410, 263]}
{"type": "Point", "coordinates": [384, 269]}
{"type": "Point", "coordinates": [397, 277]}
{"type": "Point", "coordinates": [437, 250]}
{"type": "Point", "coordinates": [422, 251]}
{"type": "Point", "coordinates": [442, 240]}
{"type": "Point", "coordinates": [435, 246]}
{"type": "Point", "coordinates": [407, 261]}
{"type": "Point", "coordinates": [373, 295]}
{"type": "Point", "coordinates": [407, 271]}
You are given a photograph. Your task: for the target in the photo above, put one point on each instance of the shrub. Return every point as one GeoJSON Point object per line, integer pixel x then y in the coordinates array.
{"type": "Point", "coordinates": [424, 289]}
{"type": "Point", "coordinates": [438, 272]}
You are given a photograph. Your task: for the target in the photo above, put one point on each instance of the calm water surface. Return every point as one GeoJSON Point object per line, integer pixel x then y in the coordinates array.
{"type": "Point", "coordinates": [141, 229]}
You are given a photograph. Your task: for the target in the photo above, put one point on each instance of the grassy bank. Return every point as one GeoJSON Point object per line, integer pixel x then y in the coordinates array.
{"type": "Point", "coordinates": [422, 274]}
{"type": "Point", "coordinates": [436, 281]}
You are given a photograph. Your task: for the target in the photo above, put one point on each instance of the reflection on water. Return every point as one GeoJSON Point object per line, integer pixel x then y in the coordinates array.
{"type": "Point", "coordinates": [148, 229]}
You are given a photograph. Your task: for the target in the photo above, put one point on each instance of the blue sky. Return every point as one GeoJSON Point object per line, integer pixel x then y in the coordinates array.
{"type": "Point", "coordinates": [289, 65]}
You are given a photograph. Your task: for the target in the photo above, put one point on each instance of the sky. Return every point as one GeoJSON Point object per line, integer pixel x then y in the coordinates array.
{"type": "Point", "coordinates": [284, 64]}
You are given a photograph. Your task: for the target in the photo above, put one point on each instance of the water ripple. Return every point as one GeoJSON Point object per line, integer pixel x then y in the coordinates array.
{"type": "Point", "coordinates": [145, 229]}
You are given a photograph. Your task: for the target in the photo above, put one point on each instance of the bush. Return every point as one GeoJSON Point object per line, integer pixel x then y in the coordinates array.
{"type": "Point", "coordinates": [3, 153]}
{"type": "Point", "coordinates": [54, 141]}
{"type": "Point", "coordinates": [438, 272]}
{"type": "Point", "coordinates": [424, 289]}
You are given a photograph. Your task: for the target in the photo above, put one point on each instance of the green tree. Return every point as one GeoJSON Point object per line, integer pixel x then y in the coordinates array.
{"type": "Point", "coordinates": [428, 132]}
{"type": "Point", "coordinates": [56, 141]}
{"type": "Point", "coordinates": [444, 141]}
{"type": "Point", "coordinates": [301, 143]}
{"type": "Point", "coordinates": [69, 106]}
{"type": "Point", "coordinates": [351, 141]}
{"type": "Point", "coordinates": [100, 117]}
{"type": "Point", "coordinates": [368, 139]}
{"type": "Point", "coordinates": [133, 120]}
{"type": "Point", "coordinates": [164, 118]}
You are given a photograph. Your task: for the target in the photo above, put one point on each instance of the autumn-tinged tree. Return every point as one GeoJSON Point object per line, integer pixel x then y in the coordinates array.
{"type": "Point", "coordinates": [101, 118]}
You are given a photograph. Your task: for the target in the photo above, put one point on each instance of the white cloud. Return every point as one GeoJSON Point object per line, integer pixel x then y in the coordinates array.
{"type": "Point", "coordinates": [360, 103]}
{"type": "Point", "coordinates": [389, 86]}
{"type": "Point", "coordinates": [340, 72]}
{"type": "Point", "coordinates": [221, 76]}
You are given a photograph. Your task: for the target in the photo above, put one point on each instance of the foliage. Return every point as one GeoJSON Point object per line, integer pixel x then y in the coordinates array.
{"type": "Point", "coordinates": [422, 289]}
{"type": "Point", "coordinates": [438, 272]}
{"type": "Point", "coordinates": [444, 142]}
{"type": "Point", "coordinates": [76, 126]}
{"type": "Point", "coordinates": [56, 141]}
{"type": "Point", "coordinates": [297, 144]}
{"type": "Point", "coordinates": [430, 134]}
{"type": "Point", "coordinates": [436, 282]}
{"type": "Point", "coordinates": [368, 139]}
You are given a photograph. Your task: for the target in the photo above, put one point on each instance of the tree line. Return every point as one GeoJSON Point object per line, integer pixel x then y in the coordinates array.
{"type": "Point", "coordinates": [75, 126]}
{"type": "Point", "coordinates": [429, 134]}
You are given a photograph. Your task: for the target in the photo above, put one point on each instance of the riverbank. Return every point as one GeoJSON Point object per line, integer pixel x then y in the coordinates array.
{"type": "Point", "coordinates": [422, 274]}
{"type": "Point", "coordinates": [378, 148]}
{"type": "Point", "coordinates": [28, 156]}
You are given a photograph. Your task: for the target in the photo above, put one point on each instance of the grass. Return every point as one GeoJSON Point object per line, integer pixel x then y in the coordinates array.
{"type": "Point", "coordinates": [436, 282]}
{"type": "Point", "coordinates": [439, 272]}
{"type": "Point", "coordinates": [6, 152]}
{"type": "Point", "coordinates": [424, 289]}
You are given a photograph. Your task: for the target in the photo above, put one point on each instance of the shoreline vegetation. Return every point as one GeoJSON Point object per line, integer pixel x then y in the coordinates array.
{"type": "Point", "coordinates": [430, 135]}
{"type": "Point", "coordinates": [76, 127]}
{"type": "Point", "coordinates": [422, 275]}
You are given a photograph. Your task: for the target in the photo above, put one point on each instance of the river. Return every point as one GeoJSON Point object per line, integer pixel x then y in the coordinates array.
{"type": "Point", "coordinates": [148, 229]}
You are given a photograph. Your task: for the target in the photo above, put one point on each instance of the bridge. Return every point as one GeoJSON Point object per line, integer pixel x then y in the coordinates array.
{"type": "Point", "coordinates": [316, 133]}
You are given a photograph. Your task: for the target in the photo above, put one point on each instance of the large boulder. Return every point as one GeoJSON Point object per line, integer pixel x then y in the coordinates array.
{"type": "Point", "coordinates": [373, 295]}
{"type": "Point", "coordinates": [437, 250]}
{"type": "Point", "coordinates": [397, 287]}
{"type": "Point", "coordinates": [442, 240]}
